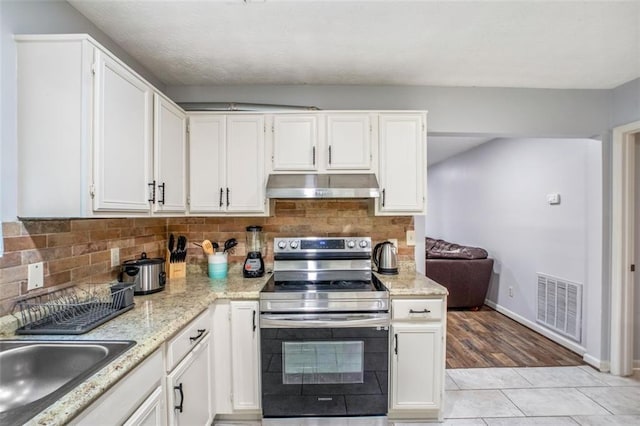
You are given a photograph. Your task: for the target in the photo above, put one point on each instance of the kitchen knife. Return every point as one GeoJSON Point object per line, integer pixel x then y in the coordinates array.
{"type": "Point", "coordinates": [172, 241]}
{"type": "Point", "coordinates": [182, 252]}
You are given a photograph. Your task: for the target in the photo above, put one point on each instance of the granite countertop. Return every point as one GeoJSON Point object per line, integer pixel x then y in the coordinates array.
{"type": "Point", "coordinates": [157, 317]}
{"type": "Point", "coordinates": [411, 284]}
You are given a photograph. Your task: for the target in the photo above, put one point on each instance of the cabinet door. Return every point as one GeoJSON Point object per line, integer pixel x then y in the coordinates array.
{"type": "Point", "coordinates": [128, 396]}
{"type": "Point", "coordinates": [416, 366]}
{"type": "Point", "coordinates": [122, 138]}
{"type": "Point", "coordinates": [169, 154]}
{"type": "Point", "coordinates": [151, 412]}
{"type": "Point", "coordinates": [402, 163]}
{"type": "Point", "coordinates": [245, 355]}
{"type": "Point", "coordinates": [189, 388]}
{"type": "Point", "coordinates": [348, 142]}
{"type": "Point", "coordinates": [245, 189]}
{"type": "Point", "coordinates": [295, 141]}
{"type": "Point", "coordinates": [54, 90]}
{"type": "Point", "coordinates": [207, 136]}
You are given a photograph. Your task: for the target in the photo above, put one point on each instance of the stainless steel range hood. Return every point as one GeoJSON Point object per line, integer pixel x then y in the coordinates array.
{"type": "Point", "coordinates": [323, 186]}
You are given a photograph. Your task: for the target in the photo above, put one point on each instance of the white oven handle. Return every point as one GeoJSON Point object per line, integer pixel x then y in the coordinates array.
{"type": "Point", "coordinates": [324, 320]}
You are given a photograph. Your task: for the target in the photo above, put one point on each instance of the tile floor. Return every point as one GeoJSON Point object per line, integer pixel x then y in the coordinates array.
{"type": "Point", "coordinates": [518, 396]}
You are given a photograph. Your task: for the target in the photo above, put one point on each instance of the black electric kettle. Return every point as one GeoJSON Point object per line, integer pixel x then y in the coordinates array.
{"type": "Point", "coordinates": [385, 258]}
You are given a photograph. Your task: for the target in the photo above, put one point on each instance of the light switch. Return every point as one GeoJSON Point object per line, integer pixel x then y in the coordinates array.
{"type": "Point", "coordinates": [115, 257]}
{"type": "Point", "coordinates": [411, 238]}
{"type": "Point", "coordinates": [35, 276]}
{"type": "Point", "coordinates": [553, 198]}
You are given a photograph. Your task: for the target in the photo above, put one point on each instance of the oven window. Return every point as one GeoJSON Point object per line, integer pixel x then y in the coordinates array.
{"type": "Point", "coordinates": [316, 362]}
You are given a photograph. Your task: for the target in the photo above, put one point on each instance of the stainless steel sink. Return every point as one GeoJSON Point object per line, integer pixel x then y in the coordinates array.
{"type": "Point", "coordinates": [36, 373]}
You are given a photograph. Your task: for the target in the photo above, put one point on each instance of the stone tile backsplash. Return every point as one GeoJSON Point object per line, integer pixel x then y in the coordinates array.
{"type": "Point", "coordinates": [78, 250]}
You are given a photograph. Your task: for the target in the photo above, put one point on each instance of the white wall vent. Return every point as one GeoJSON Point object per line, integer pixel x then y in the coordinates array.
{"type": "Point", "coordinates": [560, 306]}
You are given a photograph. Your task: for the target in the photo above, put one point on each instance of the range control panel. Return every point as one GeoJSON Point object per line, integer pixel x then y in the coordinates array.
{"type": "Point", "coordinates": [322, 245]}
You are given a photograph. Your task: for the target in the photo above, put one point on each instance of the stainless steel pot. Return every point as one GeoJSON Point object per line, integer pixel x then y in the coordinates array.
{"type": "Point", "coordinates": [385, 258]}
{"type": "Point", "coordinates": [148, 275]}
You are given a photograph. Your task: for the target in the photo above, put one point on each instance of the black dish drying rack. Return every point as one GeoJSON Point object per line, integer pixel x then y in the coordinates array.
{"type": "Point", "coordinates": [73, 310]}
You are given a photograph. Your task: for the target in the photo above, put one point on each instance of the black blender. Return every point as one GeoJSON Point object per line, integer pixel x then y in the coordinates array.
{"type": "Point", "coordinates": [254, 263]}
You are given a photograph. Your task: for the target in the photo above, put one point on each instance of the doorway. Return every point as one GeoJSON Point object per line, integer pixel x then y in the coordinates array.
{"type": "Point", "coordinates": [636, 333]}
{"type": "Point", "coordinates": [496, 196]}
{"type": "Point", "coordinates": [624, 237]}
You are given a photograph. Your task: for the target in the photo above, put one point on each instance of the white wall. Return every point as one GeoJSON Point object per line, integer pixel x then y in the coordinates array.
{"type": "Point", "coordinates": [1, 135]}
{"type": "Point", "coordinates": [494, 196]}
{"type": "Point", "coordinates": [460, 110]}
{"type": "Point", "coordinates": [626, 103]}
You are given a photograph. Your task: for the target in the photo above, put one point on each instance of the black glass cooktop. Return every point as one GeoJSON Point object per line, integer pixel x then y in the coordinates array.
{"type": "Point", "coordinates": [323, 286]}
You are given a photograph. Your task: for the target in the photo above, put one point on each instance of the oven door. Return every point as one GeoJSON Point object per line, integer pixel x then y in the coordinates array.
{"type": "Point", "coordinates": [324, 364]}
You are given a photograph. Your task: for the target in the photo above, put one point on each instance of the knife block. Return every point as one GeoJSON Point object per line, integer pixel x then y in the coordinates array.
{"type": "Point", "coordinates": [175, 269]}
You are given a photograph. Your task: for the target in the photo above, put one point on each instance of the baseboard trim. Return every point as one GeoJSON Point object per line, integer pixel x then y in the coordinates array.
{"type": "Point", "coordinates": [572, 346]}
{"type": "Point", "coordinates": [636, 364]}
{"type": "Point", "coordinates": [596, 363]}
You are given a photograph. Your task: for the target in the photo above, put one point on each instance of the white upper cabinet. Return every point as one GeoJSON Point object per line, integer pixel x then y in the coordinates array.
{"type": "Point", "coordinates": [245, 191]}
{"type": "Point", "coordinates": [170, 150]}
{"type": "Point", "coordinates": [123, 135]}
{"type": "Point", "coordinates": [348, 142]}
{"type": "Point", "coordinates": [91, 153]}
{"type": "Point", "coordinates": [295, 142]}
{"type": "Point", "coordinates": [207, 140]}
{"type": "Point", "coordinates": [55, 90]}
{"type": "Point", "coordinates": [331, 142]}
{"type": "Point", "coordinates": [402, 163]}
{"type": "Point", "coordinates": [226, 163]}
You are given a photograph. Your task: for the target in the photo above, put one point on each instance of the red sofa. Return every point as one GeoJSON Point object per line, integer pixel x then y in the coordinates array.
{"type": "Point", "coordinates": [464, 271]}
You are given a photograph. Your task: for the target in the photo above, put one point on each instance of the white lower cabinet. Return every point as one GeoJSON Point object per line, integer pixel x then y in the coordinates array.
{"type": "Point", "coordinates": [189, 373]}
{"type": "Point", "coordinates": [417, 359]}
{"type": "Point", "coordinates": [245, 355]}
{"type": "Point", "coordinates": [137, 399]}
{"type": "Point", "coordinates": [414, 366]}
{"type": "Point", "coordinates": [189, 388]}
{"type": "Point", "coordinates": [236, 355]}
{"type": "Point", "coordinates": [152, 412]}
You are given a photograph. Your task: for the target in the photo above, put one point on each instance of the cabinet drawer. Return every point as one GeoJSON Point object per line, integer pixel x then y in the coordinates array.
{"type": "Point", "coordinates": [187, 339]}
{"type": "Point", "coordinates": [416, 309]}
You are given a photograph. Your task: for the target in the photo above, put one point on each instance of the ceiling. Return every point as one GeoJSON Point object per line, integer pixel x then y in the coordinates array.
{"type": "Point", "coordinates": [534, 44]}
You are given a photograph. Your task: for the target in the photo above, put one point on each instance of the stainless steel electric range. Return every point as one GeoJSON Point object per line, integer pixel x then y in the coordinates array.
{"type": "Point", "coordinates": [324, 320]}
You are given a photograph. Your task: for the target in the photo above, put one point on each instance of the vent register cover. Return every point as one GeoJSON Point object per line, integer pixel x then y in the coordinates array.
{"type": "Point", "coordinates": [560, 305]}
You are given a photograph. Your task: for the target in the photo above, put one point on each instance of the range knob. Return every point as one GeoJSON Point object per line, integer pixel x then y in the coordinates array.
{"type": "Point", "coordinates": [282, 245]}
{"type": "Point", "coordinates": [293, 244]}
{"type": "Point", "coordinates": [363, 243]}
{"type": "Point", "coordinates": [351, 244]}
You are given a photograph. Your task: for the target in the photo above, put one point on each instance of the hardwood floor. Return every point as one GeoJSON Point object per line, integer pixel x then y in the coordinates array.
{"type": "Point", "coordinates": [486, 338]}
